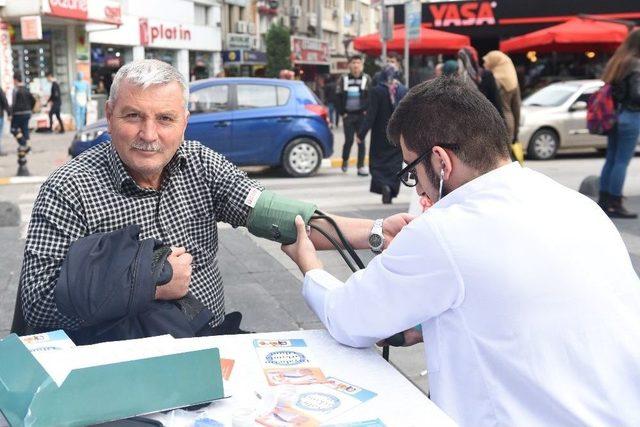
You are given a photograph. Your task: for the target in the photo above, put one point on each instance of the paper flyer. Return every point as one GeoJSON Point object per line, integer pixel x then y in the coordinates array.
{"type": "Point", "coordinates": [49, 341]}
{"type": "Point", "coordinates": [288, 362]}
{"type": "Point", "coordinates": [312, 405]}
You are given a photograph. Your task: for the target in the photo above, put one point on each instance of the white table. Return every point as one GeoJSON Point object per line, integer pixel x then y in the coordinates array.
{"type": "Point", "coordinates": [398, 402]}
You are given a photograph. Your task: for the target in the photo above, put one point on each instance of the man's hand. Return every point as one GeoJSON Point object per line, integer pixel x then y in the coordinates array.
{"type": "Point", "coordinates": [358, 140]}
{"type": "Point", "coordinates": [411, 337]}
{"type": "Point", "coordinates": [302, 251]}
{"type": "Point", "coordinates": [178, 287]}
{"type": "Point", "coordinates": [393, 224]}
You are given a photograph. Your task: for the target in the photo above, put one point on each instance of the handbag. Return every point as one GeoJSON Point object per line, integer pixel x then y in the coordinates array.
{"type": "Point", "coordinates": [517, 152]}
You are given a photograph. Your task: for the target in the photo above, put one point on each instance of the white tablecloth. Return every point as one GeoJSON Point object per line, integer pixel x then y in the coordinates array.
{"type": "Point", "coordinates": [398, 402]}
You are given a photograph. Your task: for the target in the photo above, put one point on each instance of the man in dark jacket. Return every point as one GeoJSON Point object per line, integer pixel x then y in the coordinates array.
{"type": "Point", "coordinates": [23, 103]}
{"type": "Point", "coordinates": [352, 97]}
{"type": "Point", "coordinates": [55, 99]}
{"type": "Point", "coordinates": [4, 106]}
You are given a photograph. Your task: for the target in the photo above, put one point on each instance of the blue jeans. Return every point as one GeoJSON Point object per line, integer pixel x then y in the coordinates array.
{"type": "Point", "coordinates": [1, 129]}
{"type": "Point", "coordinates": [621, 146]}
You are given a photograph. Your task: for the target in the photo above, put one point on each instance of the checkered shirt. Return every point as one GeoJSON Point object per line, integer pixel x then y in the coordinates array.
{"type": "Point", "coordinates": [94, 193]}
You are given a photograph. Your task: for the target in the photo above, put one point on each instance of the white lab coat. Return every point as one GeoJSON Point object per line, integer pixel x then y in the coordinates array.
{"type": "Point", "coordinates": [529, 304]}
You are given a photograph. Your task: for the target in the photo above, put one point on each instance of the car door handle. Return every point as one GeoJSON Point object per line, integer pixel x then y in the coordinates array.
{"type": "Point", "coordinates": [221, 124]}
{"type": "Point", "coordinates": [284, 119]}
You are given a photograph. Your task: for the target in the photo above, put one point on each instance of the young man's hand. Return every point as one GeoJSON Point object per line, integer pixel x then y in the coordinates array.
{"type": "Point", "coordinates": [178, 287]}
{"type": "Point", "coordinates": [393, 225]}
{"type": "Point", "coordinates": [302, 251]}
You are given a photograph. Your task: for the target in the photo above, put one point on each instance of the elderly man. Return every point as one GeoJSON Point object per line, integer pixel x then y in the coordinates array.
{"type": "Point", "coordinates": [528, 303]}
{"type": "Point", "coordinates": [174, 191]}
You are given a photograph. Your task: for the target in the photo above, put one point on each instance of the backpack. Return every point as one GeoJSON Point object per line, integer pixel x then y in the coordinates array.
{"type": "Point", "coordinates": [602, 115]}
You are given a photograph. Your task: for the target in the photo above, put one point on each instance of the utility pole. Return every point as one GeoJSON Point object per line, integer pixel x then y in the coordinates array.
{"type": "Point", "coordinates": [319, 18]}
{"type": "Point", "coordinates": [358, 18]}
{"type": "Point", "coordinates": [383, 21]}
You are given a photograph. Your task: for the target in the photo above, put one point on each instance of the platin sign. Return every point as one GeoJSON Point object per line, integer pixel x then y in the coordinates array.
{"type": "Point", "coordinates": [309, 51]}
{"type": "Point", "coordinates": [468, 14]}
{"type": "Point", "coordinates": [152, 33]}
{"type": "Point", "coordinates": [74, 9]}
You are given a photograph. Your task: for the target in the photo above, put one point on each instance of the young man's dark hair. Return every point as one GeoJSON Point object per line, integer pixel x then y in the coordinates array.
{"type": "Point", "coordinates": [49, 74]}
{"type": "Point", "coordinates": [449, 112]}
{"type": "Point", "coordinates": [17, 77]}
{"type": "Point", "coordinates": [395, 55]}
{"type": "Point", "coordinates": [355, 58]}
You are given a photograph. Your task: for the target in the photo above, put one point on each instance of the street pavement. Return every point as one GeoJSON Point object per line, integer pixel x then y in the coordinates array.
{"type": "Point", "coordinates": [260, 281]}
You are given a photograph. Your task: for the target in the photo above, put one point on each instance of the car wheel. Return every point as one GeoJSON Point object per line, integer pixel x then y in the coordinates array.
{"type": "Point", "coordinates": [302, 157]}
{"type": "Point", "coordinates": [543, 144]}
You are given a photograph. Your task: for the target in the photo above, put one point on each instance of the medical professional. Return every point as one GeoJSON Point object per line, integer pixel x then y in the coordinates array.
{"type": "Point", "coordinates": [528, 302]}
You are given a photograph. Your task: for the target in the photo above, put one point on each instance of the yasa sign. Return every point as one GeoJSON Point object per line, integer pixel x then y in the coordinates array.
{"type": "Point", "coordinates": [468, 14]}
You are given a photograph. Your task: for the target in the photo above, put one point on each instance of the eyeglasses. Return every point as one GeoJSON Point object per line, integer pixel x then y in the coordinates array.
{"type": "Point", "coordinates": [408, 175]}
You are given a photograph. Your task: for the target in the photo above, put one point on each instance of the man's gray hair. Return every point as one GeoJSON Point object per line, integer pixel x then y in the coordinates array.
{"type": "Point", "coordinates": [147, 72]}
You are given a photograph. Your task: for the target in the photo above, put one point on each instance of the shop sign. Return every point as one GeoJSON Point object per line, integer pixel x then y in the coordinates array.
{"type": "Point", "coordinates": [6, 60]}
{"type": "Point", "coordinates": [106, 11]}
{"type": "Point", "coordinates": [254, 56]}
{"type": "Point", "coordinates": [31, 27]}
{"type": "Point", "coordinates": [475, 13]}
{"type": "Point", "coordinates": [240, 41]}
{"type": "Point", "coordinates": [74, 9]}
{"type": "Point", "coordinates": [309, 51]}
{"type": "Point", "coordinates": [154, 33]}
{"type": "Point", "coordinates": [231, 56]}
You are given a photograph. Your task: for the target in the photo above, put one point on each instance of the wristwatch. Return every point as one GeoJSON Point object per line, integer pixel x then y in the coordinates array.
{"type": "Point", "coordinates": [376, 238]}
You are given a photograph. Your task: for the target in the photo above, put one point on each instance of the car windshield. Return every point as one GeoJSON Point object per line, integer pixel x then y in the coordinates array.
{"type": "Point", "coordinates": [551, 96]}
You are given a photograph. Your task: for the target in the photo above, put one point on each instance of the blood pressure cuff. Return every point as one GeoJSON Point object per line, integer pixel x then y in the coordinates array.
{"type": "Point", "coordinates": [273, 216]}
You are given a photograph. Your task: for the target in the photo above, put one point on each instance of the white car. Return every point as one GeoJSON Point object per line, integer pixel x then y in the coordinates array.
{"type": "Point", "coordinates": [555, 118]}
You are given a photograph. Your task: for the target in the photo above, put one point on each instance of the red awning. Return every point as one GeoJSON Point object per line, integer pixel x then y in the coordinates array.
{"type": "Point", "coordinates": [575, 35]}
{"type": "Point", "coordinates": [430, 42]}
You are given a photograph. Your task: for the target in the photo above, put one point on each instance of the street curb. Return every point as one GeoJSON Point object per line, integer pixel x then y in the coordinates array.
{"type": "Point", "coordinates": [22, 180]}
{"type": "Point", "coordinates": [337, 162]}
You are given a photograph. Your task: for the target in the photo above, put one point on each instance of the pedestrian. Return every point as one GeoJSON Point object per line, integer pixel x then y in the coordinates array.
{"type": "Point", "coordinates": [482, 78]}
{"type": "Point", "coordinates": [385, 158]}
{"type": "Point", "coordinates": [80, 93]}
{"type": "Point", "coordinates": [437, 71]}
{"type": "Point", "coordinates": [450, 68]}
{"type": "Point", "coordinates": [4, 107]}
{"type": "Point", "coordinates": [55, 100]}
{"type": "Point", "coordinates": [21, 106]}
{"type": "Point", "coordinates": [623, 73]}
{"type": "Point", "coordinates": [319, 88]}
{"type": "Point", "coordinates": [352, 96]}
{"type": "Point", "coordinates": [330, 94]}
{"type": "Point", "coordinates": [508, 89]}
{"type": "Point", "coordinates": [546, 339]}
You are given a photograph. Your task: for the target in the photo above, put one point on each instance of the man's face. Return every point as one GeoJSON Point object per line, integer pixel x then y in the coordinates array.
{"type": "Point", "coordinates": [393, 61]}
{"type": "Point", "coordinates": [355, 66]}
{"type": "Point", "coordinates": [147, 127]}
{"type": "Point", "coordinates": [49, 78]}
{"type": "Point", "coordinates": [428, 184]}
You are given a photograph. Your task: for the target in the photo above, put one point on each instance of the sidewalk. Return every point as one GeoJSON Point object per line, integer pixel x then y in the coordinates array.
{"type": "Point", "coordinates": [47, 150]}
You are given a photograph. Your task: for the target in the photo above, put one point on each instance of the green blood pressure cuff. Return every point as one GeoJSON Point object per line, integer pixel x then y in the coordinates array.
{"type": "Point", "coordinates": [273, 217]}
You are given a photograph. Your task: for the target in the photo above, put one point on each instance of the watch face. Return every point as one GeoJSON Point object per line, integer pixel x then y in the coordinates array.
{"type": "Point", "coordinates": [375, 240]}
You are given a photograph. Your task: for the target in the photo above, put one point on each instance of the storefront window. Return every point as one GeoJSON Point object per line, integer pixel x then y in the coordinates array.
{"type": "Point", "coordinates": [105, 63]}
{"type": "Point", "coordinates": [200, 65]}
{"type": "Point", "coordinates": [168, 56]}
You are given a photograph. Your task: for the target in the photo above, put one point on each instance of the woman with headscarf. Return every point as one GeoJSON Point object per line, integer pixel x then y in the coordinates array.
{"type": "Point", "coordinates": [505, 74]}
{"type": "Point", "coordinates": [385, 159]}
{"type": "Point", "coordinates": [470, 70]}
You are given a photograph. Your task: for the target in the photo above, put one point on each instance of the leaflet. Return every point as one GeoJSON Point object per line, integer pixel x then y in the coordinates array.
{"type": "Point", "coordinates": [288, 362]}
{"type": "Point", "coordinates": [312, 405]}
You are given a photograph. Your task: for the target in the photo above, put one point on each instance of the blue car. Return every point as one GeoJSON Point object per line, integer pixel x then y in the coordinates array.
{"type": "Point", "coordinates": [251, 121]}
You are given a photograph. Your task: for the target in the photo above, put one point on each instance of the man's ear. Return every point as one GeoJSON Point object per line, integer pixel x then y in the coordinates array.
{"type": "Point", "coordinates": [108, 111]}
{"type": "Point", "coordinates": [443, 161]}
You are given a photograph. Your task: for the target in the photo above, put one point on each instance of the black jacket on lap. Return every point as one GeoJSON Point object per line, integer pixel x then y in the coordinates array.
{"type": "Point", "coordinates": [108, 282]}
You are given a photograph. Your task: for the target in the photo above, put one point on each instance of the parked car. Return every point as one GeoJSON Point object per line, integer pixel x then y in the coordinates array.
{"type": "Point", "coordinates": [555, 118]}
{"type": "Point", "coordinates": [251, 121]}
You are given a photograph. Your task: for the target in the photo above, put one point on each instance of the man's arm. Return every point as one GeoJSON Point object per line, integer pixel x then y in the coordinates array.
{"type": "Point", "coordinates": [54, 225]}
{"type": "Point", "coordinates": [412, 281]}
